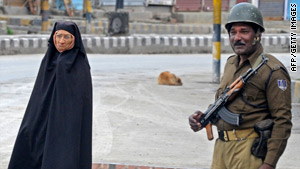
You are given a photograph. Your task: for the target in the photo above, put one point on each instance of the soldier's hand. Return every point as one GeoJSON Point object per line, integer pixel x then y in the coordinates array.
{"type": "Point", "coordinates": [266, 166]}
{"type": "Point", "coordinates": [194, 121]}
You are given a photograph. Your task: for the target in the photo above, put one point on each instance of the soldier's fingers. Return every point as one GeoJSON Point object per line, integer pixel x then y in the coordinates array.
{"type": "Point", "coordinates": [195, 129]}
{"type": "Point", "coordinates": [197, 115]}
{"type": "Point", "coordinates": [192, 118]}
{"type": "Point", "coordinates": [194, 123]}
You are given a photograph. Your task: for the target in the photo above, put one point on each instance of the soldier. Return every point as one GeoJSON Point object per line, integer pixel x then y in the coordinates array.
{"type": "Point", "coordinates": [266, 96]}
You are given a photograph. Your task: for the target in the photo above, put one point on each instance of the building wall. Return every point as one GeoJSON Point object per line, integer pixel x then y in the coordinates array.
{"type": "Point", "coordinates": [14, 2]}
{"type": "Point", "coordinates": [272, 9]}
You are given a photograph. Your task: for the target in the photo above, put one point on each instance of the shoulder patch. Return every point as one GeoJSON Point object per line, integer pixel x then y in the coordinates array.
{"type": "Point", "coordinates": [282, 84]}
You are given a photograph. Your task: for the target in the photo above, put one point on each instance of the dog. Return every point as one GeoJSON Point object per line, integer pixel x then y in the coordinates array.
{"type": "Point", "coordinates": [168, 78]}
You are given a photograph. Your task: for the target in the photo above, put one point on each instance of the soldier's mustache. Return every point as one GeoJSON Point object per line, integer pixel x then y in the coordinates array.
{"type": "Point", "coordinates": [239, 43]}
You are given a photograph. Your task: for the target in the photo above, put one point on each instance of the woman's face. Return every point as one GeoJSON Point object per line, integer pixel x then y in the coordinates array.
{"type": "Point", "coordinates": [63, 40]}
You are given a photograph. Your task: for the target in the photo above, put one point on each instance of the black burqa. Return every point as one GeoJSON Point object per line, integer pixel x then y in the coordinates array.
{"type": "Point", "coordinates": [56, 131]}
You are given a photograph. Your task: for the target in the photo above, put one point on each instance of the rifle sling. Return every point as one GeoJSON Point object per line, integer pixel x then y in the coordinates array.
{"type": "Point", "coordinates": [258, 60]}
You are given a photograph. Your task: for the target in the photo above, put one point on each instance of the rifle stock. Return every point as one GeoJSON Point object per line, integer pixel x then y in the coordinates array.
{"type": "Point", "coordinates": [209, 132]}
{"type": "Point", "coordinates": [235, 87]}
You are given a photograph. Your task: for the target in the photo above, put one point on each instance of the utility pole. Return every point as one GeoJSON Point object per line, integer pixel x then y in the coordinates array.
{"type": "Point", "coordinates": [45, 15]}
{"type": "Point", "coordinates": [88, 10]}
{"type": "Point", "coordinates": [119, 5]}
{"type": "Point", "coordinates": [88, 15]}
{"type": "Point", "coordinates": [216, 50]}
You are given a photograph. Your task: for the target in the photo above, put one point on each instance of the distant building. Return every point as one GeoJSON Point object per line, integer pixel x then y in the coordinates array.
{"type": "Point", "coordinates": [271, 9]}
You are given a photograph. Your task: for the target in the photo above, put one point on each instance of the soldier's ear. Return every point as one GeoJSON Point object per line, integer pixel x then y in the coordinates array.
{"type": "Point", "coordinates": [257, 36]}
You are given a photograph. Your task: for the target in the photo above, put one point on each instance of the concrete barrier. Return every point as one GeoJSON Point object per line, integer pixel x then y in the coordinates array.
{"type": "Point", "coordinates": [135, 44]}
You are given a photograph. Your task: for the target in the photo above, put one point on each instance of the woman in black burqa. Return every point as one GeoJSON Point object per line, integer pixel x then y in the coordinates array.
{"type": "Point", "coordinates": [56, 131]}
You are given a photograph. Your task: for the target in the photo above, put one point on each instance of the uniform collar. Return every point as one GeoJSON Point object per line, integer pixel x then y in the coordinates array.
{"type": "Point", "coordinates": [252, 59]}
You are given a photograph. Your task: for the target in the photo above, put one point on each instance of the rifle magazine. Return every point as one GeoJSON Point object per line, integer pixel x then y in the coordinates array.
{"type": "Point", "coordinates": [229, 117]}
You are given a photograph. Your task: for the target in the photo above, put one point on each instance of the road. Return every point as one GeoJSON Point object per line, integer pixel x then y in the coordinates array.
{"type": "Point", "coordinates": [135, 120]}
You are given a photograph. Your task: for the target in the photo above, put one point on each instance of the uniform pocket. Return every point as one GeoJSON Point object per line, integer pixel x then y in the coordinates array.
{"type": "Point", "coordinates": [242, 104]}
{"type": "Point", "coordinates": [250, 94]}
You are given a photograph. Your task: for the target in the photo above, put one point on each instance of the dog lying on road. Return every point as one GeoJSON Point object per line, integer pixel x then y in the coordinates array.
{"type": "Point", "coordinates": [168, 78]}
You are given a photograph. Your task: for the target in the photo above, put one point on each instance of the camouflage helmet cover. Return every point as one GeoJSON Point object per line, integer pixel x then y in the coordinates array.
{"type": "Point", "coordinates": [245, 12]}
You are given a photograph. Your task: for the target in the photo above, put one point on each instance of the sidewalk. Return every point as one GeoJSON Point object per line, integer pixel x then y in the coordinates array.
{"type": "Point", "coordinates": [32, 24]}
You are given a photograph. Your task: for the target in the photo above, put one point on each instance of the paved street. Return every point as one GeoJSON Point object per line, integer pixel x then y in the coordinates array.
{"type": "Point", "coordinates": [135, 120]}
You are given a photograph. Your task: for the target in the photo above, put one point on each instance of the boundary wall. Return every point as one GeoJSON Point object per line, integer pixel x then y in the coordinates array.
{"type": "Point", "coordinates": [139, 44]}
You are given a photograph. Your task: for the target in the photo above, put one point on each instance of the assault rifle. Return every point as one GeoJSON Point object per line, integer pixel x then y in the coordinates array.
{"type": "Point", "coordinates": [218, 109]}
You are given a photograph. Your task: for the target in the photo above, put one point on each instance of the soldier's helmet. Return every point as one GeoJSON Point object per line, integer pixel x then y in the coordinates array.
{"type": "Point", "coordinates": [246, 13]}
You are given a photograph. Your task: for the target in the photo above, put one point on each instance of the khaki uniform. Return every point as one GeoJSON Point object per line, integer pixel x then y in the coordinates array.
{"type": "Point", "coordinates": [266, 95]}
{"type": "Point", "coordinates": [235, 155]}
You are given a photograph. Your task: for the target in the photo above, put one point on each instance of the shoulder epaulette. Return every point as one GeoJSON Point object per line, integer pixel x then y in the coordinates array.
{"type": "Point", "coordinates": [275, 64]}
{"type": "Point", "coordinates": [230, 57]}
